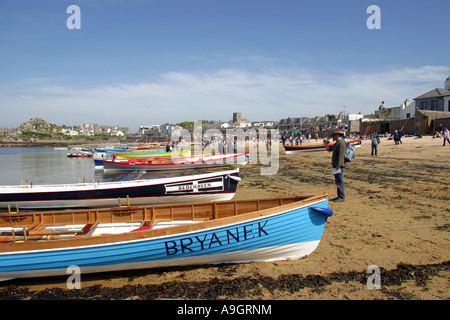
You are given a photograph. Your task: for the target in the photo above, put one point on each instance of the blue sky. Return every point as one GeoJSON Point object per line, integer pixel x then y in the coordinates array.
{"type": "Point", "coordinates": [139, 62]}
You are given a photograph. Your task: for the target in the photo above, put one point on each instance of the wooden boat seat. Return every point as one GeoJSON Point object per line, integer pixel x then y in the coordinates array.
{"type": "Point", "coordinates": [148, 223]}
{"type": "Point", "coordinates": [87, 228]}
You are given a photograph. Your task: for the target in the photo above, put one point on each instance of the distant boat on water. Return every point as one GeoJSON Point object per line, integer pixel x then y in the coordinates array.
{"type": "Point", "coordinates": [81, 154]}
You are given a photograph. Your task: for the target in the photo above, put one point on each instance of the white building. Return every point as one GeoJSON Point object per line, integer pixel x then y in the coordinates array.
{"type": "Point", "coordinates": [447, 97]}
{"type": "Point", "coordinates": [407, 109]}
{"type": "Point", "coordinates": [119, 133]}
{"type": "Point", "coordinates": [87, 129]}
{"type": "Point", "coordinates": [69, 131]}
{"type": "Point", "coordinates": [354, 116]}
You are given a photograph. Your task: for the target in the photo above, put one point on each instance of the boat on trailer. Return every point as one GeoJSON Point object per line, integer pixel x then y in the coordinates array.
{"type": "Point", "coordinates": [200, 187]}
{"type": "Point", "coordinates": [316, 147]}
{"type": "Point", "coordinates": [40, 244]}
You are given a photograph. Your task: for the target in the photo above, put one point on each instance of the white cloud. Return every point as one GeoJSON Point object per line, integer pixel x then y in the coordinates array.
{"type": "Point", "coordinates": [177, 96]}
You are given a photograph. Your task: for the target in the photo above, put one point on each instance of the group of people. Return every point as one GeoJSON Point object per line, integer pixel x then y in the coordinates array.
{"type": "Point", "coordinates": [297, 140]}
{"type": "Point", "coordinates": [227, 147]}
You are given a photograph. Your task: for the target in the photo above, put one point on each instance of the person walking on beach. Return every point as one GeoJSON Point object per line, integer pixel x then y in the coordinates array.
{"type": "Point", "coordinates": [396, 137]}
{"type": "Point", "coordinates": [338, 162]}
{"type": "Point", "coordinates": [375, 141]}
{"type": "Point", "coordinates": [446, 136]}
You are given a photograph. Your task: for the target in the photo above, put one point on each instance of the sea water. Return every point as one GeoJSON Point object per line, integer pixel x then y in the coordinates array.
{"type": "Point", "coordinates": [42, 166]}
{"type": "Point", "coordinates": [47, 165]}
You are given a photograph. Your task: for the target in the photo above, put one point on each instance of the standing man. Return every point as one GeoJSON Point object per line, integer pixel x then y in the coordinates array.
{"type": "Point", "coordinates": [338, 162]}
{"type": "Point", "coordinates": [375, 141]}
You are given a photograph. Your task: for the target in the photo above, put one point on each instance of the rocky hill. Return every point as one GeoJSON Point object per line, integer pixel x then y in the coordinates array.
{"type": "Point", "coordinates": [37, 125]}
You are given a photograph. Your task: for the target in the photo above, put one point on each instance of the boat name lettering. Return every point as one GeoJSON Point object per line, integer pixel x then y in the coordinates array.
{"type": "Point", "coordinates": [216, 239]}
{"type": "Point", "coordinates": [192, 186]}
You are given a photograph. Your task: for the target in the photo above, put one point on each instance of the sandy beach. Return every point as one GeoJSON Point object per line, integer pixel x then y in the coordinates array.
{"type": "Point", "coordinates": [396, 217]}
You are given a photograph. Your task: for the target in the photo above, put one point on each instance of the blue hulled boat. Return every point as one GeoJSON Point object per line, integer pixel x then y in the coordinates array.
{"type": "Point", "coordinates": [48, 243]}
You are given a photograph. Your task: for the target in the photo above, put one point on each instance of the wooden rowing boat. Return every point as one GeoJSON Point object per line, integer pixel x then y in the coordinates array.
{"type": "Point", "coordinates": [48, 243]}
{"type": "Point", "coordinates": [150, 154]}
{"type": "Point", "coordinates": [316, 147]}
{"type": "Point", "coordinates": [81, 154]}
{"type": "Point", "coordinates": [176, 163]}
{"type": "Point", "coordinates": [201, 187]}
{"type": "Point", "coordinates": [155, 155]}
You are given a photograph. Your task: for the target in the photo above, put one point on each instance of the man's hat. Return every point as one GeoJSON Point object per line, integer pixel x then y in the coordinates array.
{"type": "Point", "coordinates": [337, 131]}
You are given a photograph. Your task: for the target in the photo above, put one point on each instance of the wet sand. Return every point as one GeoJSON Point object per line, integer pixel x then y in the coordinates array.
{"type": "Point", "coordinates": [396, 217]}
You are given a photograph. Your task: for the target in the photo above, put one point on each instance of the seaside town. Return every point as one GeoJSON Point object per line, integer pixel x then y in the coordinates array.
{"type": "Point", "coordinates": [426, 114]}
{"type": "Point", "coordinates": [224, 155]}
{"type": "Point", "coordinates": [394, 213]}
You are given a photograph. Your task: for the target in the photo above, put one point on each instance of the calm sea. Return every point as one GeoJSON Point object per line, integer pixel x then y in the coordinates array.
{"type": "Point", "coordinates": [43, 166]}
{"type": "Point", "coordinates": [49, 166]}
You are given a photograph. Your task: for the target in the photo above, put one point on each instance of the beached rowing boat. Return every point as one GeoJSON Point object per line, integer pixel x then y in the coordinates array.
{"type": "Point", "coordinates": [153, 154]}
{"type": "Point", "coordinates": [316, 147]}
{"type": "Point", "coordinates": [201, 187]}
{"type": "Point", "coordinates": [53, 243]}
{"type": "Point", "coordinates": [150, 153]}
{"type": "Point", "coordinates": [176, 163]}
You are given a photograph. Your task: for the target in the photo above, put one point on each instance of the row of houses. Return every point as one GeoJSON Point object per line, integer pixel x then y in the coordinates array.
{"type": "Point", "coordinates": [84, 129]}
{"type": "Point", "coordinates": [90, 129]}
{"type": "Point", "coordinates": [236, 123]}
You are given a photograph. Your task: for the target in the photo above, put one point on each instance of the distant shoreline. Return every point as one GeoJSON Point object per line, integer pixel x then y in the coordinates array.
{"type": "Point", "coordinates": [49, 143]}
